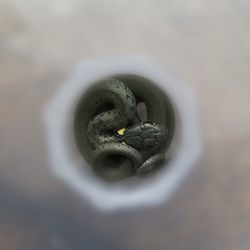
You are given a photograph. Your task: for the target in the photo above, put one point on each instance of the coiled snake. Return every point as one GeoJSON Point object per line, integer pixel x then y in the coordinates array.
{"type": "Point", "coordinates": [113, 136]}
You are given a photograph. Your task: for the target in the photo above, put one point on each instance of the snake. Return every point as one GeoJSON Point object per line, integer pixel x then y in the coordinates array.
{"type": "Point", "coordinates": [115, 139]}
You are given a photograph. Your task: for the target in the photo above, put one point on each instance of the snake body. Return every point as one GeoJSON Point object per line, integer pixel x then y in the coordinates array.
{"type": "Point", "coordinates": [141, 147]}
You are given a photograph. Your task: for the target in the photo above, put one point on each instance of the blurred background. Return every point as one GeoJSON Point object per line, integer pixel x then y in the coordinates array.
{"type": "Point", "coordinates": [204, 43]}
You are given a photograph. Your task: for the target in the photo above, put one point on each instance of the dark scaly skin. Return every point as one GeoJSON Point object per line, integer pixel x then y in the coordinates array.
{"type": "Point", "coordinates": [102, 129]}
{"type": "Point", "coordinates": [150, 139]}
{"type": "Point", "coordinates": [118, 156]}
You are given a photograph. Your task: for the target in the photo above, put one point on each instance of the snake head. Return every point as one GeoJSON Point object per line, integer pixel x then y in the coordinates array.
{"type": "Point", "coordinates": [145, 135]}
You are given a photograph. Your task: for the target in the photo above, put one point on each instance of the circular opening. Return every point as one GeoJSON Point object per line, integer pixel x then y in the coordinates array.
{"type": "Point", "coordinates": [153, 105]}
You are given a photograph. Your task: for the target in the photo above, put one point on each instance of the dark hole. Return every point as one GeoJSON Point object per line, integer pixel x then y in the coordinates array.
{"type": "Point", "coordinates": [115, 167]}
{"type": "Point", "coordinates": [114, 161]}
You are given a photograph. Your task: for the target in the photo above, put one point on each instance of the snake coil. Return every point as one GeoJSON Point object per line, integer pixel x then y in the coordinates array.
{"type": "Point", "coordinates": [118, 143]}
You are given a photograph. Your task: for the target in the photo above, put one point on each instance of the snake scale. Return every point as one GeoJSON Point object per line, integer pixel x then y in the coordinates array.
{"type": "Point", "coordinates": [118, 143]}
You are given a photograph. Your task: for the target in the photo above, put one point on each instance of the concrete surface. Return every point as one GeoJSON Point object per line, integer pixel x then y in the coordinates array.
{"type": "Point", "coordinates": [205, 43]}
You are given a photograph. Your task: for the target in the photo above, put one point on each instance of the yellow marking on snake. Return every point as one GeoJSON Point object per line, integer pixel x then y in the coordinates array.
{"type": "Point", "coordinates": [121, 131]}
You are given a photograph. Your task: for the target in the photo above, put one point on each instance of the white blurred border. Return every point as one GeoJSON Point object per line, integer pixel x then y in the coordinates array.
{"type": "Point", "coordinates": [67, 164]}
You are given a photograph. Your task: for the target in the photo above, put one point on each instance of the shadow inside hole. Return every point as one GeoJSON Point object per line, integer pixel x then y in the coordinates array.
{"type": "Point", "coordinates": [114, 167]}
